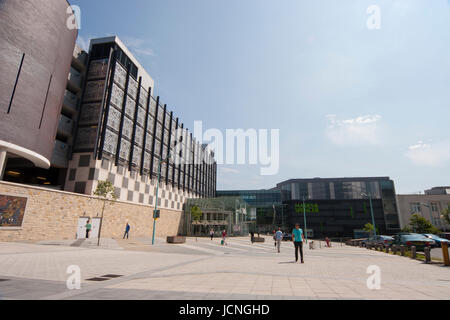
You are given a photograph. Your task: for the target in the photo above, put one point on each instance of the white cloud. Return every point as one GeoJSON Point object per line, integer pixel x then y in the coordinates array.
{"type": "Point", "coordinates": [138, 46]}
{"type": "Point", "coordinates": [363, 130]}
{"type": "Point", "coordinates": [429, 154]}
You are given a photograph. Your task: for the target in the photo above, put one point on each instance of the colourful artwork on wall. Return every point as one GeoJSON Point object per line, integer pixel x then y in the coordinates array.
{"type": "Point", "coordinates": [12, 210]}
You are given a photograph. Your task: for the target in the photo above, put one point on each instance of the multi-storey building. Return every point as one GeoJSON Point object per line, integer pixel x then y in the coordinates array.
{"type": "Point", "coordinates": [124, 132]}
{"type": "Point", "coordinates": [36, 55]}
{"type": "Point", "coordinates": [428, 206]}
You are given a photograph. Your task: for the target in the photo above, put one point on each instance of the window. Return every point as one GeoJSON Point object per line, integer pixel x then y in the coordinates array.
{"type": "Point", "coordinates": [434, 207]}
{"type": "Point", "coordinates": [415, 207]}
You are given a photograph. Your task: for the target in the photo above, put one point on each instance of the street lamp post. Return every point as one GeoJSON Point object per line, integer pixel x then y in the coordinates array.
{"type": "Point", "coordinates": [156, 203]}
{"type": "Point", "coordinates": [304, 218]}
{"type": "Point", "coordinates": [371, 212]}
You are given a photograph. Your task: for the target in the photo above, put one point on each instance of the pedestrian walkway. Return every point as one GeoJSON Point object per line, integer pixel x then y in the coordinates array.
{"type": "Point", "coordinates": [203, 269]}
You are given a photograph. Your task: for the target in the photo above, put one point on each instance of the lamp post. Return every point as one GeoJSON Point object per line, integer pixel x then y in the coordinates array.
{"type": "Point", "coordinates": [161, 161]}
{"type": "Point", "coordinates": [371, 212]}
{"type": "Point", "coordinates": [304, 218]}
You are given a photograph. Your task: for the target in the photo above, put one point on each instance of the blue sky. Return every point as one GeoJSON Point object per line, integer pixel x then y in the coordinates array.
{"type": "Point", "coordinates": [348, 101]}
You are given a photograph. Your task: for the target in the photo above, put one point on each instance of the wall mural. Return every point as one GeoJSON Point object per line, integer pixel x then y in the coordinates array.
{"type": "Point", "coordinates": [12, 210]}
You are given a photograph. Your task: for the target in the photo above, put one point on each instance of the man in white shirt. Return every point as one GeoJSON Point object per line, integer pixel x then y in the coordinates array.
{"type": "Point", "coordinates": [279, 238]}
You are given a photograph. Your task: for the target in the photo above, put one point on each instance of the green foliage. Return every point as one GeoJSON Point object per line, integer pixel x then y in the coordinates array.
{"type": "Point", "coordinates": [196, 213]}
{"type": "Point", "coordinates": [406, 229]}
{"type": "Point", "coordinates": [105, 190]}
{"type": "Point", "coordinates": [421, 225]}
{"type": "Point", "coordinates": [368, 227]}
{"type": "Point", "coordinates": [446, 214]}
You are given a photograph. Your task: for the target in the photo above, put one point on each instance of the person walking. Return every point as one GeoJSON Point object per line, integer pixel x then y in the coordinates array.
{"type": "Point", "coordinates": [224, 237]}
{"type": "Point", "coordinates": [127, 231]}
{"type": "Point", "coordinates": [327, 240]}
{"type": "Point", "coordinates": [88, 228]}
{"type": "Point", "coordinates": [278, 238]}
{"type": "Point", "coordinates": [274, 232]}
{"type": "Point", "coordinates": [252, 237]}
{"type": "Point", "coordinates": [298, 237]}
{"type": "Point", "coordinates": [211, 234]}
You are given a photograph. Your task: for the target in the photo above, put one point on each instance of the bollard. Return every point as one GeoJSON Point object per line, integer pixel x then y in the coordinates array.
{"type": "Point", "coordinates": [402, 250]}
{"type": "Point", "coordinates": [427, 252]}
{"type": "Point", "coordinates": [445, 253]}
{"type": "Point", "coordinates": [394, 249]}
{"type": "Point", "coordinates": [380, 247]}
{"type": "Point", "coordinates": [387, 249]}
{"type": "Point", "coordinates": [413, 252]}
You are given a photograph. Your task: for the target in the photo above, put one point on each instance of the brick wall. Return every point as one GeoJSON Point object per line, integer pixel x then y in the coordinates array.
{"type": "Point", "coordinates": [53, 215]}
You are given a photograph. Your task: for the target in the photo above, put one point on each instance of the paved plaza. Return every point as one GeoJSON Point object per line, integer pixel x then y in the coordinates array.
{"type": "Point", "coordinates": [203, 269]}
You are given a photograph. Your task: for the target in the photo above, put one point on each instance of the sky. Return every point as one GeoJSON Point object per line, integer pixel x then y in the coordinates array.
{"type": "Point", "coordinates": [348, 100]}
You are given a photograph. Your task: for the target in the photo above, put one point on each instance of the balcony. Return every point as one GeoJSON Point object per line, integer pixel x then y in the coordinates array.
{"type": "Point", "coordinates": [60, 154]}
{"type": "Point", "coordinates": [74, 80]}
{"type": "Point", "coordinates": [70, 102]}
{"type": "Point", "coordinates": [65, 126]}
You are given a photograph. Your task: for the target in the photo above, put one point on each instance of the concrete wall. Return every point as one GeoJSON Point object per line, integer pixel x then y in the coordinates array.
{"type": "Point", "coordinates": [35, 39]}
{"type": "Point", "coordinates": [53, 215]}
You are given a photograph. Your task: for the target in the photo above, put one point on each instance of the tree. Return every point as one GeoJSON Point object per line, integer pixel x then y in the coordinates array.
{"type": "Point", "coordinates": [106, 192]}
{"type": "Point", "coordinates": [196, 215]}
{"type": "Point", "coordinates": [421, 225]}
{"type": "Point", "coordinates": [368, 227]}
{"type": "Point", "coordinates": [446, 214]}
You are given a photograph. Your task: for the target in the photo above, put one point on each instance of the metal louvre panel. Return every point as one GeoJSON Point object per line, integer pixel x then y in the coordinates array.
{"type": "Point", "coordinates": [125, 149]}
{"type": "Point", "coordinates": [110, 142]}
{"type": "Point", "coordinates": [130, 107]}
{"type": "Point", "coordinates": [139, 137]}
{"type": "Point", "coordinates": [114, 119]}
{"type": "Point", "coordinates": [137, 155]}
{"type": "Point", "coordinates": [149, 142]}
{"type": "Point", "coordinates": [117, 97]}
{"type": "Point", "coordinates": [120, 75]}
{"type": "Point", "coordinates": [132, 88]}
{"type": "Point", "coordinates": [127, 130]}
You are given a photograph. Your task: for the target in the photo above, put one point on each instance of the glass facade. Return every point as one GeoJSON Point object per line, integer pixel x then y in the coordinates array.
{"type": "Point", "coordinates": [218, 214]}
{"type": "Point", "coordinates": [381, 188]}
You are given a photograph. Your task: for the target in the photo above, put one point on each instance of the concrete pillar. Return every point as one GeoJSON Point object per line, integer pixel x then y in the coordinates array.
{"type": "Point", "coordinates": [427, 252]}
{"type": "Point", "coordinates": [402, 250]}
{"type": "Point", "coordinates": [394, 249]}
{"type": "Point", "coordinates": [2, 163]}
{"type": "Point", "coordinates": [413, 252]}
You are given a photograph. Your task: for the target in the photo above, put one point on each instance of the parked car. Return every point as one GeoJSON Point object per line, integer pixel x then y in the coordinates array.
{"type": "Point", "coordinates": [445, 235]}
{"type": "Point", "coordinates": [287, 236]}
{"type": "Point", "coordinates": [386, 241]}
{"type": "Point", "coordinates": [436, 239]}
{"type": "Point", "coordinates": [413, 239]}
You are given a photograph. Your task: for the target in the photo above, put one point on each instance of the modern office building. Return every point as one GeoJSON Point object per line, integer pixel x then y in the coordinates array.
{"type": "Point", "coordinates": [360, 188]}
{"type": "Point", "coordinates": [36, 54]}
{"type": "Point", "coordinates": [333, 207]}
{"type": "Point", "coordinates": [429, 206]}
{"type": "Point", "coordinates": [123, 131]}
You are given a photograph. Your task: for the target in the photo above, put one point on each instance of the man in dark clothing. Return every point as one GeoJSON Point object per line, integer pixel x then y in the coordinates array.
{"type": "Point", "coordinates": [127, 230]}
